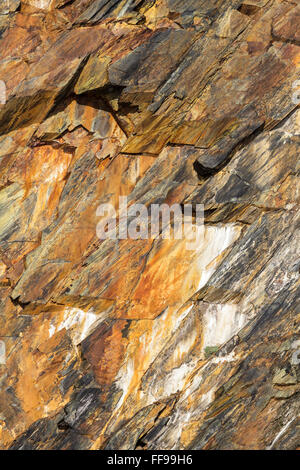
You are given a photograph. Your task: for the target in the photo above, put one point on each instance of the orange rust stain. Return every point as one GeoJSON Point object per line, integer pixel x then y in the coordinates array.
{"type": "Point", "coordinates": [34, 371]}
{"type": "Point", "coordinates": [189, 433]}
{"type": "Point", "coordinates": [251, 433]}
{"type": "Point", "coordinates": [105, 352]}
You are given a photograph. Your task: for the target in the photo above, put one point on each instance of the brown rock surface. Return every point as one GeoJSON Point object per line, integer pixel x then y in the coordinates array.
{"type": "Point", "coordinates": [125, 344]}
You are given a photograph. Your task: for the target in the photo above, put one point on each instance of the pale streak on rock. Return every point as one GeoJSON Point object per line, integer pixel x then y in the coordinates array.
{"type": "Point", "coordinates": [78, 322]}
{"type": "Point", "coordinates": [220, 323]}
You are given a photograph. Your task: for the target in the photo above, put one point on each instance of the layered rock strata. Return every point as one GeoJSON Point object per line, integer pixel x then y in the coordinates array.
{"type": "Point", "coordinates": [145, 344]}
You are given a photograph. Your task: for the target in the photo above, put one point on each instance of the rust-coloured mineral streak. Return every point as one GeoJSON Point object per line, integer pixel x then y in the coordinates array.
{"type": "Point", "coordinates": [143, 344]}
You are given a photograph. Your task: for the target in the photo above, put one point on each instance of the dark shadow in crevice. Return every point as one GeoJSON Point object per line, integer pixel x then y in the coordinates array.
{"type": "Point", "coordinates": [204, 172]}
{"type": "Point", "coordinates": [18, 302]}
{"type": "Point", "coordinates": [101, 99]}
{"type": "Point", "coordinates": [249, 10]}
{"type": "Point", "coordinates": [63, 426]}
{"type": "Point", "coordinates": [140, 445]}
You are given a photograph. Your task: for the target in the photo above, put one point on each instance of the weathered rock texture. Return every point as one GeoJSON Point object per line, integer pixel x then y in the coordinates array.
{"type": "Point", "coordinates": [124, 344]}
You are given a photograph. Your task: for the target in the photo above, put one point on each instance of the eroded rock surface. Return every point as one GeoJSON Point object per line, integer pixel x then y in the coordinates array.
{"type": "Point", "coordinates": [145, 344]}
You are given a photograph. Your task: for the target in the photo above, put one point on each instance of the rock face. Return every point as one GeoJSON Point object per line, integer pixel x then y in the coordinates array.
{"type": "Point", "coordinates": [145, 344]}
